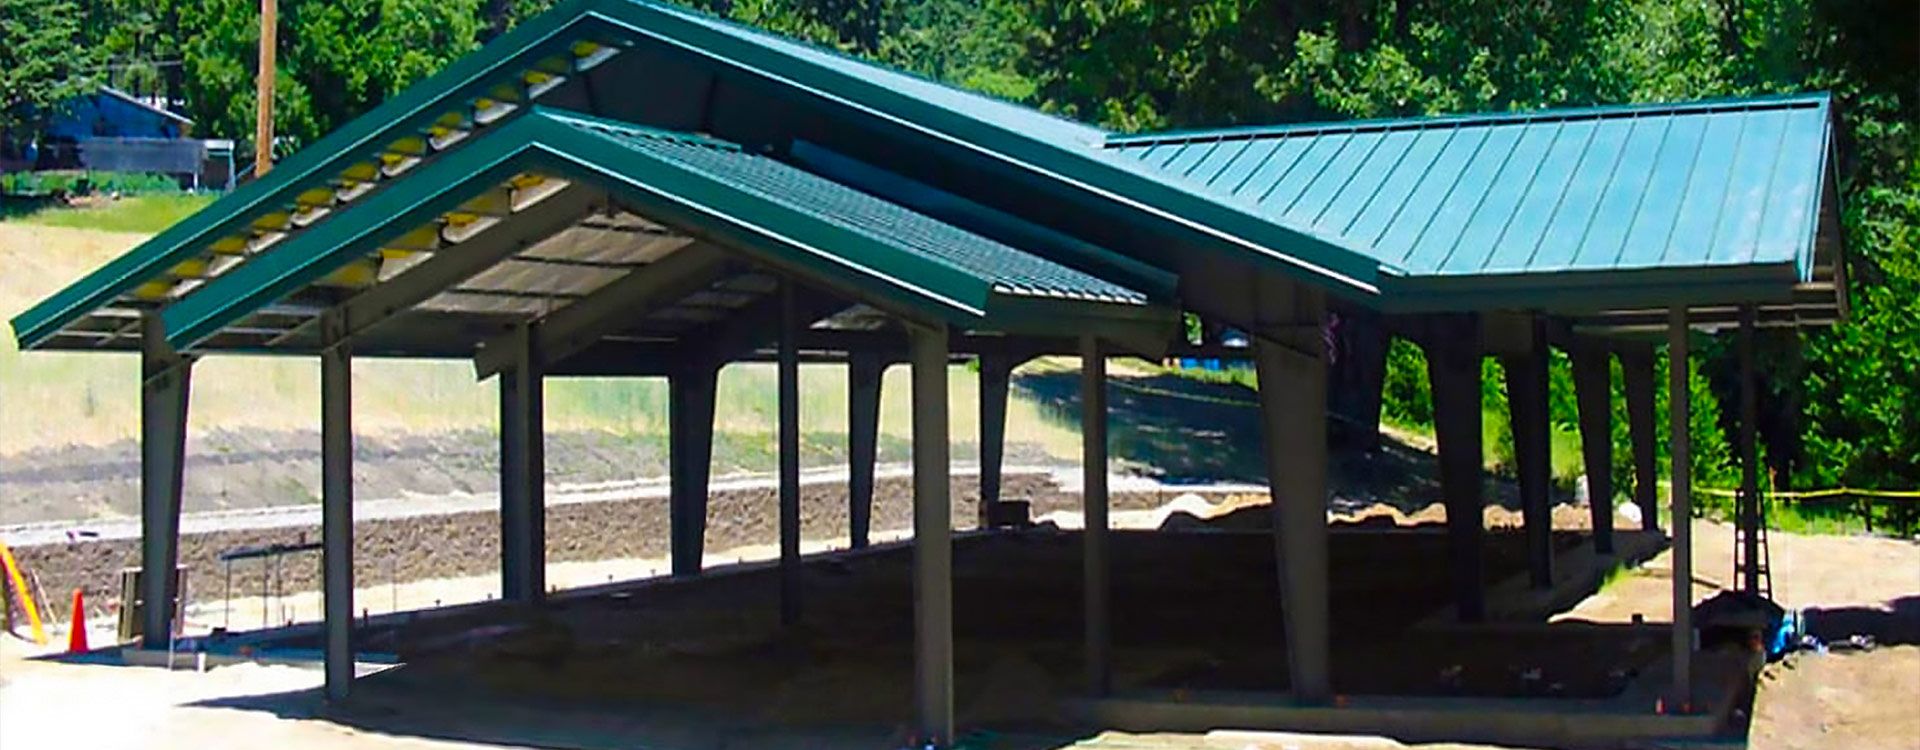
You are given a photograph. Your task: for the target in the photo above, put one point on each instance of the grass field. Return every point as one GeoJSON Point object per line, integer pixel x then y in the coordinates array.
{"type": "Point", "coordinates": [51, 399]}
{"type": "Point", "coordinates": [141, 214]}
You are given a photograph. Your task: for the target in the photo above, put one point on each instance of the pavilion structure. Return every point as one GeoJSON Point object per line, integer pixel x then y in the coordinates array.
{"type": "Point", "coordinates": [627, 188]}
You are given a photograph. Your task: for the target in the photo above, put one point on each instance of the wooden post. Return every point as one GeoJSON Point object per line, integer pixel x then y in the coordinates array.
{"type": "Point", "coordinates": [263, 121]}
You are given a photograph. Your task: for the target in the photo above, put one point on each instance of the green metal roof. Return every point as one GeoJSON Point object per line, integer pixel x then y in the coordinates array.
{"type": "Point", "coordinates": [1707, 203]}
{"type": "Point", "coordinates": [501, 80]}
{"type": "Point", "coordinates": [712, 189]}
{"type": "Point", "coordinates": [1712, 185]}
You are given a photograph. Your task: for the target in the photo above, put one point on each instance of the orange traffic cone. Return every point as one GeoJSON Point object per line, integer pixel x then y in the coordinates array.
{"type": "Point", "coordinates": [77, 637]}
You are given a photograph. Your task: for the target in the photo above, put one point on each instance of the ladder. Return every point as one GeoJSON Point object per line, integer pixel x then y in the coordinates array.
{"type": "Point", "coordinates": [1750, 525]}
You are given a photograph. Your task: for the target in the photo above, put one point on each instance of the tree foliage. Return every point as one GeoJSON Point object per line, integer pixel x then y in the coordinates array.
{"type": "Point", "coordinates": [43, 61]}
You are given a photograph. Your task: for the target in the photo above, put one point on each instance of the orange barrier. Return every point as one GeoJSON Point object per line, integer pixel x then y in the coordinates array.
{"type": "Point", "coordinates": [77, 637]}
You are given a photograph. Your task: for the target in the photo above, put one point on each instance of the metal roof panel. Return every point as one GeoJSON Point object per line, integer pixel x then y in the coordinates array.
{"type": "Point", "coordinates": [1685, 186]}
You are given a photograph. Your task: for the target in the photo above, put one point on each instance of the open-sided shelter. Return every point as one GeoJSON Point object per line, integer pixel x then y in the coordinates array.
{"type": "Point", "coordinates": [620, 187]}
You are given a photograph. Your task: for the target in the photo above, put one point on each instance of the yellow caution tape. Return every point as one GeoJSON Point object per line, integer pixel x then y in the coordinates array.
{"type": "Point", "coordinates": [26, 597]}
{"type": "Point", "coordinates": [1811, 494]}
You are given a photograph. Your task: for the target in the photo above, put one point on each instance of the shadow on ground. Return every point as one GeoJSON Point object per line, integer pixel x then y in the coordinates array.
{"type": "Point", "coordinates": [1896, 625]}
{"type": "Point", "coordinates": [1182, 430]}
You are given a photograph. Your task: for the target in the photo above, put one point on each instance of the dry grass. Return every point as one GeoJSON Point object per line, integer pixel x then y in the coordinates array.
{"type": "Point", "coordinates": [50, 399]}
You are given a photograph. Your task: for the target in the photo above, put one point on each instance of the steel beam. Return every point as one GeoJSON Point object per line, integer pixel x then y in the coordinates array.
{"type": "Point", "coordinates": [1293, 405]}
{"type": "Point", "coordinates": [690, 395]}
{"type": "Point", "coordinates": [789, 458]}
{"type": "Point", "coordinates": [932, 539]}
{"type": "Point", "coordinates": [996, 371]}
{"type": "Point", "coordinates": [1678, 410]}
{"type": "Point", "coordinates": [1527, 398]}
{"type": "Point", "coordinates": [1593, 390]}
{"type": "Point", "coordinates": [1096, 565]}
{"type": "Point", "coordinates": [864, 375]}
{"type": "Point", "coordinates": [610, 308]}
{"type": "Point", "coordinates": [756, 325]}
{"type": "Point", "coordinates": [523, 537]}
{"type": "Point", "coordinates": [443, 270]}
{"type": "Point", "coordinates": [1453, 366]}
{"type": "Point", "coordinates": [165, 378]}
{"type": "Point", "coordinates": [1636, 369]}
{"type": "Point", "coordinates": [336, 502]}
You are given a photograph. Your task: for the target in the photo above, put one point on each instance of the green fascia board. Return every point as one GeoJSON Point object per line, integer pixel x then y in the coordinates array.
{"type": "Point", "coordinates": [1076, 164]}
{"type": "Point", "coordinates": [1579, 292]}
{"type": "Point", "coordinates": [359, 140]}
{"type": "Point", "coordinates": [547, 142]}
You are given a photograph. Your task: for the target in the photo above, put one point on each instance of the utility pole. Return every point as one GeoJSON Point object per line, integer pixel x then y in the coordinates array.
{"type": "Point", "coordinates": [263, 122]}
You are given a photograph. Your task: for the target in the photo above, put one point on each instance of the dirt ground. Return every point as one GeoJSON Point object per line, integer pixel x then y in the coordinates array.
{"type": "Point", "coordinates": [1838, 700]}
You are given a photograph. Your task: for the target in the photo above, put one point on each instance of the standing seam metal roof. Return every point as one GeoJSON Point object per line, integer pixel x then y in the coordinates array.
{"type": "Point", "coordinates": [1011, 271]}
{"type": "Point", "coordinates": [1662, 186]}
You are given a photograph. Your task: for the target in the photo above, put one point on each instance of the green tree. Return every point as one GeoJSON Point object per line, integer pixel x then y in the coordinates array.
{"type": "Point", "coordinates": [43, 62]}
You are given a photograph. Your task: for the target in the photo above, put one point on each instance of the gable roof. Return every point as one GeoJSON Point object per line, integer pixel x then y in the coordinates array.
{"type": "Point", "coordinates": [503, 79]}
{"type": "Point", "coordinates": [694, 186]}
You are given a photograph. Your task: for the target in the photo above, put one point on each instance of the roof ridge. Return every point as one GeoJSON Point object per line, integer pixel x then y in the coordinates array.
{"type": "Point", "coordinates": [633, 130]}
{"type": "Point", "coordinates": [1562, 114]}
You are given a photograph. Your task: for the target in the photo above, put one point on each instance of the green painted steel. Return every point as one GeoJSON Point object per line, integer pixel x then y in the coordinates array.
{"type": "Point", "coordinates": [1452, 204]}
{"type": "Point", "coordinates": [317, 165]}
{"type": "Point", "coordinates": [781, 214]}
{"type": "Point", "coordinates": [1563, 210]}
{"type": "Point", "coordinates": [1064, 153]}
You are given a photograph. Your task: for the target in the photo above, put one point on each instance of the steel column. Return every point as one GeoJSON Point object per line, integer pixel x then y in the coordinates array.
{"type": "Point", "coordinates": [1293, 408]}
{"type": "Point", "coordinates": [1636, 370]}
{"type": "Point", "coordinates": [864, 373]}
{"type": "Point", "coordinates": [1749, 501]}
{"type": "Point", "coordinates": [995, 372]}
{"type": "Point", "coordinates": [1527, 397]}
{"type": "Point", "coordinates": [1096, 564]}
{"type": "Point", "coordinates": [1453, 366]}
{"type": "Point", "coordinates": [165, 378]}
{"type": "Point", "coordinates": [336, 503]}
{"type": "Point", "coordinates": [523, 546]}
{"type": "Point", "coordinates": [690, 395]}
{"type": "Point", "coordinates": [1592, 387]}
{"type": "Point", "coordinates": [932, 538]}
{"type": "Point", "coordinates": [789, 398]}
{"type": "Point", "coordinates": [1678, 410]}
